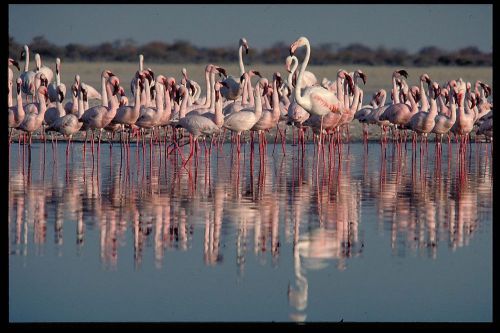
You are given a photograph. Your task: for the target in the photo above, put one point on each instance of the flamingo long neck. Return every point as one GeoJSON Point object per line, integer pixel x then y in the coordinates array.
{"type": "Point", "coordinates": [413, 104]}
{"type": "Point", "coordinates": [219, 116]}
{"type": "Point", "coordinates": [183, 106]}
{"type": "Point", "coordinates": [212, 91]}
{"type": "Point", "coordinates": [244, 96]}
{"type": "Point", "coordinates": [441, 104]}
{"type": "Point", "coordinates": [80, 104]}
{"type": "Point", "coordinates": [346, 95]}
{"type": "Point", "coordinates": [9, 97]}
{"type": "Point", "coordinates": [461, 108]}
{"type": "Point", "coordinates": [159, 98]}
{"type": "Point", "coordinates": [240, 54]}
{"type": "Point", "coordinates": [113, 102]}
{"type": "Point", "coordinates": [425, 102]}
{"type": "Point", "coordinates": [137, 97]}
{"type": "Point", "coordinates": [258, 102]}
{"type": "Point", "coordinates": [361, 95]}
{"type": "Point", "coordinates": [340, 90]}
{"type": "Point", "coordinates": [433, 107]}
{"type": "Point", "coordinates": [468, 109]}
{"type": "Point", "coordinates": [355, 100]}
{"type": "Point", "coordinates": [58, 74]}
{"type": "Point", "coordinates": [168, 106]}
{"type": "Point", "coordinates": [20, 107]}
{"type": "Point", "coordinates": [38, 62]}
{"type": "Point", "coordinates": [207, 80]}
{"type": "Point", "coordinates": [276, 102]}
{"type": "Point", "coordinates": [42, 106]}
{"type": "Point", "coordinates": [303, 102]}
{"type": "Point", "coordinates": [453, 109]}
{"type": "Point", "coordinates": [266, 102]}
{"type": "Point", "coordinates": [141, 64]}
{"type": "Point", "coordinates": [295, 62]}
{"type": "Point", "coordinates": [147, 90]}
{"type": "Point", "coordinates": [384, 96]}
{"type": "Point", "coordinates": [103, 91]}
{"type": "Point", "coordinates": [26, 59]}
{"type": "Point", "coordinates": [60, 107]}
{"type": "Point", "coordinates": [251, 99]}
{"type": "Point", "coordinates": [395, 94]}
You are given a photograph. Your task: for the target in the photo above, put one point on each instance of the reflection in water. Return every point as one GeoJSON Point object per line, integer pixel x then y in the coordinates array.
{"type": "Point", "coordinates": [136, 196]}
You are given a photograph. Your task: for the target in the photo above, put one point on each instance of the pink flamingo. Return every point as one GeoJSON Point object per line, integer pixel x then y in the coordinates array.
{"type": "Point", "coordinates": [246, 118]}
{"type": "Point", "coordinates": [316, 99]}
{"type": "Point", "coordinates": [28, 77]}
{"type": "Point", "coordinates": [33, 121]}
{"type": "Point", "coordinates": [423, 122]}
{"type": "Point", "coordinates": [99, 116]}
{"type": "Point", "coordinates": [443, 122]}
{"type": "Point", "coordinates": [16, 113]}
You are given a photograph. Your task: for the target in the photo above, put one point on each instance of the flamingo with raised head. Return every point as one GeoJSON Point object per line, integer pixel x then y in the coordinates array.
{"type": "Point", "coordinates": [16, 113]}
{"type": "Point", "coordinates": [234, 87]}
{"type": "Point", "coordinates": [49, 74]}
{"type": "Point", "coordinates": [27, 76]}
{"type": "Point", "coordinates": [33, 121]}
{"type": "Point", "coordinates": [316, 99]}
{"type": "Point", "coordinates": [52, 88]}
{"type": "Point", "coordinates": [245, 119]}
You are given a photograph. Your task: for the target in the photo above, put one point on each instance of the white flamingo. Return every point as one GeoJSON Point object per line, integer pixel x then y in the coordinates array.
{"type": "Point", "coordinates": [316, 99]}
{"type": "Point", "coordinates": [246, 118]}
{"type": "Point", "coordinates": [52, 88]}
{"type": "Point", "coordinates": [33, 121]}
{"type": "Point", "coordinates": [28, 77]}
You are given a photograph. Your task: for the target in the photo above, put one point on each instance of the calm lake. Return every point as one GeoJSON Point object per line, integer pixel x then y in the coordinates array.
{"type": "Point", "coordinates": [370, 233]}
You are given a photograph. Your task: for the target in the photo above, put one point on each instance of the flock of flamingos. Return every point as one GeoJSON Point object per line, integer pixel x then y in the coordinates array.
{"type": "Point", "coordinates": [233, 103]}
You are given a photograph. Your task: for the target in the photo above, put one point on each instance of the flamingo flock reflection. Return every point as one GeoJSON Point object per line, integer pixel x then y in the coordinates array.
{"type": "Point", "coordinates": [255, 204]}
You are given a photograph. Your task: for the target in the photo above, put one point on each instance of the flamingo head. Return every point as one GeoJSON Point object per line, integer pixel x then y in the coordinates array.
{"type": "Point", "coordinates": [115, 82]}
{"type": "Point", "coordinates": [341, 73]}
{"type": "Point", "coordinates": [277, 77]}
{"type": "Point", "coordinates": [350, 82]}
{"type": "Point", "coordinates": [486, 88]}
{"type": "Point", "coordinates": [123, 101]}
{"type": "Point", "coordinates": [184, 73]}
{"type": "Point", "coordinates": [42, 90]}
{"type": "Point", "coordinates": [60, 94]}
{"type": "Point", "coordinates": [74, 90]}
{"type": "Point", "coordinates": [243, 77]}
{"type": "Point", "coordinates": [468, 86]}
{"type": "Point", "coordinates": [15, 63]}
{"type": "Point", "coordinates": [107, 73]}
{"type": "Point", "coordinates": [19, 83]}
{"type": "Point", "coordinates": [243, 42]}
{"type": "Point", "coordinates": [220, 70]}
{"type": "Point", "coordinates": [362, 75]}
{"type": "Point", "coordinates": [208, 68]}
{"type": "Point", "coordinates": [43, 80]}
{"type": "Point", "coordinates": [415, 92]}
{"type": "Point", "coordinates": [24, 52]}
{"type": "Point", "coordinates": [253, 73]}
{"type": "Point", "coordinates": [298, 43]}
{"type": "Point", "coordinates": [400, 73]}
{"type": "Point", "coordinates": [436, 89]}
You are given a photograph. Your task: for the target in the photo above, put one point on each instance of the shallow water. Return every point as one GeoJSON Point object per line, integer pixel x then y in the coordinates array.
{"type": "Point", "coordinates": [371, 233]}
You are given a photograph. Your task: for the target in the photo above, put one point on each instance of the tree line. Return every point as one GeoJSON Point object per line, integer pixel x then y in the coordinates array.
{"type": "Point", "coordinates": [184, 52]}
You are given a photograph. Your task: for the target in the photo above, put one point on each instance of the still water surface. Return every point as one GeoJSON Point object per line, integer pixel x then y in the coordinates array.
{"type": "Point", "coordinates": [371, 233]}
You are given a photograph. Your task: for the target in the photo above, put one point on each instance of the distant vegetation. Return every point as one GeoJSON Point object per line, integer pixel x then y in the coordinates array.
{"type": "Point", "coordinates": [185, 52]}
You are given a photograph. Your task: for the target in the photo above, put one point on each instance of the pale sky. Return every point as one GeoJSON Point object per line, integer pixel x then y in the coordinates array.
{"type": "Point", "coordinates": [408, 27]}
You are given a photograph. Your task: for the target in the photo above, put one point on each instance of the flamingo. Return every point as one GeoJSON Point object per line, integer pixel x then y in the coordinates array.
{"type": "Point", "coordinates": [246, 118]}
{"type": "Point", "coordinates": [28, 77]}
{"type": "Point", "coordinates": [10, 73]}
{"type": "Point", "coordinates": [198, 125]}
{"type": "Point", "coordinates": [42, 68]}
{"type": "Point", "coordinates": [316, 99]}
{"type": "Point", "coordinates": [16, 113]}
{"type": "Point", "coordinates": [309, 79]}
{"type": "Point", "coordinates": [444, 123]}
{"type": "Point", "coordinates": [423, 122]}
{"type": "Point", "coordinates": [55, 112]}
{"type": "Point", "coordinates": [150, 116]}
{"type": "Point", "coordinates": [69, 124]}
{"type": "Point", "coordinates": [99, 116]}
{"type": "Point", "coordinates": [269, 117]}
{"type": "Point", "coordinates": [348, 114]}
{"type": "Point", "coordinates": [33, 121]}
{"type": "Point", "coordinates": [52, 88]}
{"type": "Point", "coordinates": [134, 80]}
{"type": "Point", "coordinates": [127, 115]}
{"type": "Point", "coordinates": [234, 87]}
{"type": "Point", "coordinates": [35, 107]}
{"type": "Point", "coordinates": [465, 116]}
